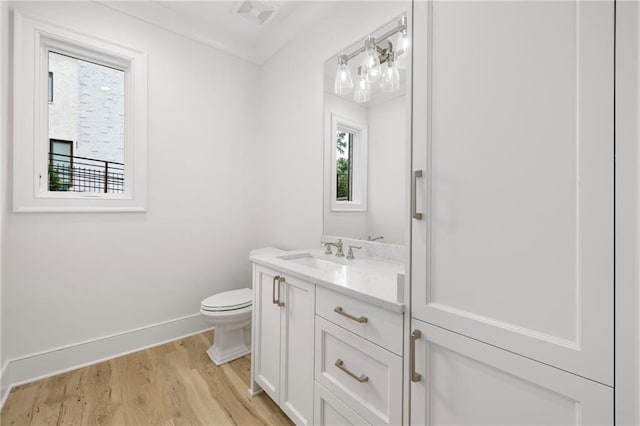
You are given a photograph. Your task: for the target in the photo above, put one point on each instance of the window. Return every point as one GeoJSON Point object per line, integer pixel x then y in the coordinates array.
{"type": "Point", "coordinates": [89, 145]}
{"type": "Point", "coordinates": [89, 110]}
{"type": "Point", "coordinates": [60, 169]}
{"type": "Point", "coordinates": [348, 164]}
{"type": "Point", "coordinates": [344, 166]}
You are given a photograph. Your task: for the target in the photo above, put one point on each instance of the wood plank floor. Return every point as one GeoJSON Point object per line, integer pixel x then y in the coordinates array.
{"type": "Point", "coordinates": [173, 384]}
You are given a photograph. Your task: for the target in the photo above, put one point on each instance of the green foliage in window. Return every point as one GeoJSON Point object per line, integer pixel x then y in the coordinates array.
{"type": "Point", "coordinates": [55, 183]}
{"type": "Point", "coordinates": [342, 169]}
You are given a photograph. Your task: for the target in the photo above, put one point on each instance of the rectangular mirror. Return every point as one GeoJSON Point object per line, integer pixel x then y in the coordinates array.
{"type": "Point", "coordinates": [366, 109]}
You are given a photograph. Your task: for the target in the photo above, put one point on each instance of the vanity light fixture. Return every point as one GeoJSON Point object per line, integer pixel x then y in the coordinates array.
{"type": "Point", "coordinates": [403, 40]}
{"type": "Point", "coordinates": [371, 62]}
{"type": "Point", "coordinates": [380, 64]}
{"type": "Point", "coordinates": [403, 45]}
{"type": "Point", "coordinates": [343, 83]}
{"type": "Point", "coordinates": [363, 88]}
{"type": "Point", "coordinates": [390, 76]}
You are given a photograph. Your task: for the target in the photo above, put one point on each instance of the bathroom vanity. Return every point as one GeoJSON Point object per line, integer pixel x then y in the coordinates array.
{"type": "Point", "coordinates": [327, 336]}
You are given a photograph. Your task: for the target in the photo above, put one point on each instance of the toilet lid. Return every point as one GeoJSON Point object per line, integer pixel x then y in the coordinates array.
{"type": "Point", "coordinates": [228, 300]}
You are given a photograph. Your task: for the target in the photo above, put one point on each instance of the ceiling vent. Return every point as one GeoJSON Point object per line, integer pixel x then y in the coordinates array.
{"type": "Point", "coordinates": [258, 12]}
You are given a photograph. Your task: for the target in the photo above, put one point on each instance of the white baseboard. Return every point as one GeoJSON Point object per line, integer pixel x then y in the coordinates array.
{"type": "Point", "coordinates": [59, 360]}
{"type": "Point", "coordinates": [4, 387]}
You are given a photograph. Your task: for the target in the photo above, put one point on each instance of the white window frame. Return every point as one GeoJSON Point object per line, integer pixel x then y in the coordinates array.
{"type": "Point", "coordinates": [33, 40]}
{"type": "Point", "coordinates": [358, 202]}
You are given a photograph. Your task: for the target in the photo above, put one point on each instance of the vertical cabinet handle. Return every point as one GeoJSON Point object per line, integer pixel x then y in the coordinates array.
{"type": "Point", "coordinates": [280, 280]}
{"type": "Point", "coordinates": [273, 291]}
{"type": "Point", "coordinates": [416, 174]}
{"type": "Point", "coordinates": [415, 335]}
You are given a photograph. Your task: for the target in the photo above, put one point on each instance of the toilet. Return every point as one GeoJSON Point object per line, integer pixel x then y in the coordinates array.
{"type": "Point", "coordinates": [230, 314]}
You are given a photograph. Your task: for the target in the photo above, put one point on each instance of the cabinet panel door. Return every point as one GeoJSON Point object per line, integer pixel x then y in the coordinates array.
{"type": "Point", "coordinates": [466, 382]}
{"type": "Point", "coordinates": [328, 410]}
{"type": "Point", "coordinates": [513, 128]}
{"type": "Point", "coordinates": [266, 333]}
{"type": "Point", "coordinates": [365, 376]}
{"type": "Point", "coordinates": [296, 368]}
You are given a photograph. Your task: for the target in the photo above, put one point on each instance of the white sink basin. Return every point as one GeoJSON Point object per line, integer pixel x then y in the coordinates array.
{"type": "Point", "coordinates": [308, 259]}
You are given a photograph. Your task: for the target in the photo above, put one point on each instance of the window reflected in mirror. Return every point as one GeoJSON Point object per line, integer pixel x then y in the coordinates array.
{"type": "Point", "coordinates": [344, 166]}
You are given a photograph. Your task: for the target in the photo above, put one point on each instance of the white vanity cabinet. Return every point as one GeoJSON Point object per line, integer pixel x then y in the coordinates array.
{"type": "Point", "coordinates": [327, 345]}
{"type": "Point", "coordinates": [358, 361]}
{"type": "Point", "coordinates": [512, 199]}
{"type": "Point", "coordinates": [282, 353]}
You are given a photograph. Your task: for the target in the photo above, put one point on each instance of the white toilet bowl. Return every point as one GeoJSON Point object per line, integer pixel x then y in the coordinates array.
{"type": "Point", "coordinates": [230, 314]}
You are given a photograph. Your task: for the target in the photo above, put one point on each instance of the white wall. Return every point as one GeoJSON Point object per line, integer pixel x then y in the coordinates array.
{"type": "Point", "coordinates": [292, 104]}
{"type": "Point", "coordinates": [4, 42]}
{"type": "Point", "coordinates": [385, 215]}
{"type": "Point", "coordinates": [627, 380]}
{"type": "Point", "coordinates": [342, 223]}
{"type": "Point", "coordinates": [69, 278]}
{"type": "Point", "coordinates": [63, 111]}
{"type": "Point", "coordinates": [387, 170]}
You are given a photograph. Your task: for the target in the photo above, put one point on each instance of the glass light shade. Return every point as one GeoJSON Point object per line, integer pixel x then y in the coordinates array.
{"type": "Point", "coordinates": [403, 41]}
{"type": "Point", "coordinates": [371, 61]}
{"type": "Point", "coordinates": [390, 77]}
{"type": "Point", "coordinates": [343, 82]}
{"type": "Point", "coordinates": [362, 92]}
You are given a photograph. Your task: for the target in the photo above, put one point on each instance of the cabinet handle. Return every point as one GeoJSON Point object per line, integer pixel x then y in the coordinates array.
{"type": "Point", "coordinates": [273, 291]}
{"type": "Point", "coordinates": [361, 378]}
{"type": "Point", "coordinates": [415, 335]}
{"type": "Point", "coordinates": [416, 174]}
{"type": "Point", "coordinates": [280, 280]}
{"type": "Point", "coordinates": [338, 310]}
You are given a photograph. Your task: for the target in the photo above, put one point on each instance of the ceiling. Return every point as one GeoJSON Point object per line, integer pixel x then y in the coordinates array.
{"type": "Point", "coordinates": [215, 23]}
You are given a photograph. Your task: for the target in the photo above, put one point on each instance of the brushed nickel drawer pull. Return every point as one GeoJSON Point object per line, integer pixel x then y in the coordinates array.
{"type": "Point", "coordinates": [339, 310]}
{"type": "Point", "coordinates": [361, 378]}
{"type": "Point", "coordinates": [273, 291]}
{"type": "Point", "coordinates": [415, 335]}
{"type": "Point", "coordinates": [280, 280]}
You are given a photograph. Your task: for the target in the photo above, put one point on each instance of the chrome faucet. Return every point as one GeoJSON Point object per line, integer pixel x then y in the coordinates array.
{"type": "Point", "coordinates": [370, 238]}
{"type": "Point", "coordinates": [350, 255]}
{"type": "Point", "coordinates": [338, 246]}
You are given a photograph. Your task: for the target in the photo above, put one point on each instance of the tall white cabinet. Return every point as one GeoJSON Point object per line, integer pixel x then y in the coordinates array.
{"type": "Point", "coordinates": [512, 236]}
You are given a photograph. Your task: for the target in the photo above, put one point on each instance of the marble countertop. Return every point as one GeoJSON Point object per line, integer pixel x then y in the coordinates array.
{"type": "Point", "coordinates": [375, 280]}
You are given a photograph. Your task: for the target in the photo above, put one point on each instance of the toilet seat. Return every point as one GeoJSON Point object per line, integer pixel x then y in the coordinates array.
{"type": "Point", "coordinates": [232, 300]}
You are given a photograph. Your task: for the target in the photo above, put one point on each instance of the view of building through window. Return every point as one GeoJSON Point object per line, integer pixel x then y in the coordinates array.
{"type": "Point", "coordinates": [86, 126]}
{"type": "Point", "coordinates": [344, 166]}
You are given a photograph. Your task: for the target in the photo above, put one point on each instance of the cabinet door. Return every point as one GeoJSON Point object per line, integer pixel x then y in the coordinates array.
{"type": "Point", "coordinates": [266, 332]}
{"type": "Point", "coordinates": [466, 382]}
{"type": "Point", "coordinates": [296, 361]}
{"type": "Point", "coordinates": [513, 130]}
{"type": "Point", "coordinates": [328, 410]}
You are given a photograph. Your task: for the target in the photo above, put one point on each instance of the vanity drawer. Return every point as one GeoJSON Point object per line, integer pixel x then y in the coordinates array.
{"type": "Point", "coordinates": [382, 327]}
{"type": "Point", "coordinates": [330, 411]}
{"type": "Point", "coordinates": [363, 375]}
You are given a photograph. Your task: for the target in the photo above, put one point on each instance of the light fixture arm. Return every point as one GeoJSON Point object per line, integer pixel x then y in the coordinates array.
{"type": "Point", "coordinates": [402, 26]}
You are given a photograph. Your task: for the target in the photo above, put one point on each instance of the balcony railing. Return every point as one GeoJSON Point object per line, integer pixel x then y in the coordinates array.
{"type": "Point", "coordinates": [82, 174]}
